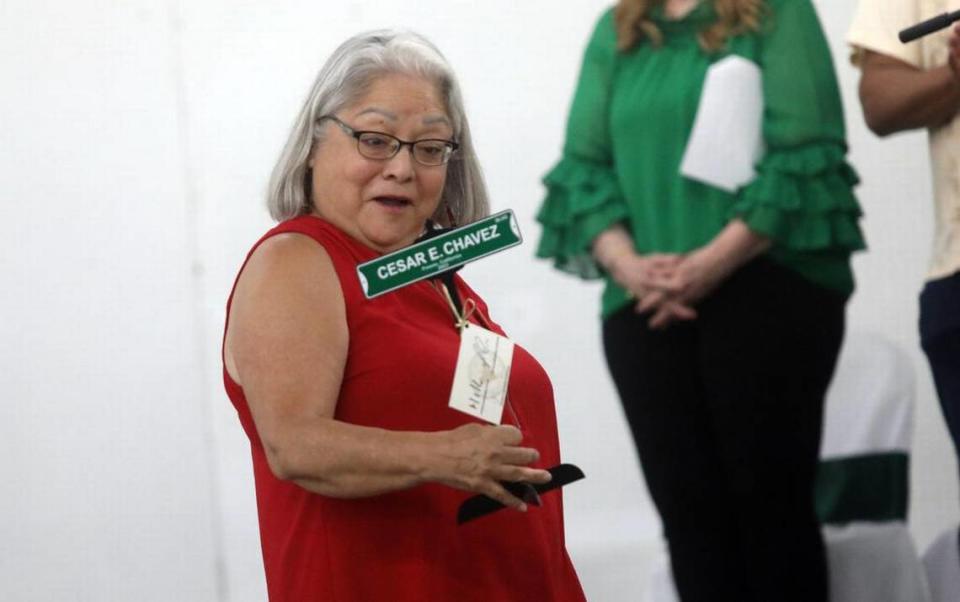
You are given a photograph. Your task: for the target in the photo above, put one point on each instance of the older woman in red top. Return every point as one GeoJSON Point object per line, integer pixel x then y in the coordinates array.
{"type": "Point", "coordinates": [360, 464]}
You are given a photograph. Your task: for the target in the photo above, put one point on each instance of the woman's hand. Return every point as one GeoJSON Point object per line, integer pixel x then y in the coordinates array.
{"type": "Point", "coordinates": [639, 274]}
{"type": "Point", "coordinates": [477, 458]}
{"type": "Point", "coordinates": [614, 251]}
{"type": "Point", "coordinates": [700, 272]}
{"type": "Point", "coordinates": [695, 277]}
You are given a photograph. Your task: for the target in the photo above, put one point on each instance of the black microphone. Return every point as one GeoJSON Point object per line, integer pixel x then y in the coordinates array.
{"type": "Point", "coordinates": [929, 26]}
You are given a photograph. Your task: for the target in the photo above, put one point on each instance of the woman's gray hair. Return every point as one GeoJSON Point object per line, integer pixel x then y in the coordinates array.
{"type": "Point", "coordinates": [344, 79]}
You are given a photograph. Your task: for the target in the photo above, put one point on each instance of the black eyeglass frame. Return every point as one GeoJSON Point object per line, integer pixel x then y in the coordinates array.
{"type": "Point", "coordinates": [450, 146]}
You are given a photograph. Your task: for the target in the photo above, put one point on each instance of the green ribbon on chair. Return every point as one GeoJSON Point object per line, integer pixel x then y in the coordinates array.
{"type": "Point", "coordinates": [869, 487]}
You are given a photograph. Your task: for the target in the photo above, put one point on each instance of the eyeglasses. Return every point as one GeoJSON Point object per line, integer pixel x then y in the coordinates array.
{"type": "Point", "coordinates": [380, 146]}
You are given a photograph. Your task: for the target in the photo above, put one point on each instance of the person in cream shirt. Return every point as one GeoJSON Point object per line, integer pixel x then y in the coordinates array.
{"type": "Point", "coordinates": [910, 86]}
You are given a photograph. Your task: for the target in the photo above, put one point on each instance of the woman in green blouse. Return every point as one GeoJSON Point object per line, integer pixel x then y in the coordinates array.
{"type": "Point", "coordinates": [723, 310]}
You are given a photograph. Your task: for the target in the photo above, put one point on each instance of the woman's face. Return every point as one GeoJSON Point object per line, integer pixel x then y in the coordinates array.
{"type": "Point", "coordinates": [382, 203]}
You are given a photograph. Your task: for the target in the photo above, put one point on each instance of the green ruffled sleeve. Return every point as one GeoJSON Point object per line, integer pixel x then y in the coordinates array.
{"type": "Point", "coordinates": [583, 194]}
{"type": "Point", "coordinates": [802, 196]}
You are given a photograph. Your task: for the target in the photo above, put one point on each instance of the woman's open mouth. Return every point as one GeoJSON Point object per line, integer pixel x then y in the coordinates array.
{"type": "Point", "coordinates": [393, 202]}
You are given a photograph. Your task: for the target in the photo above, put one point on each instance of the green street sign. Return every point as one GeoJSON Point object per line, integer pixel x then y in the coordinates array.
{"type": "Point", "coordinates": [448, 250]}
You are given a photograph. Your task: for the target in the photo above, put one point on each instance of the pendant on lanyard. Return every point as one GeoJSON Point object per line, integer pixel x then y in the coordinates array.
{"type": "Point", "coordinates": [482, 374]}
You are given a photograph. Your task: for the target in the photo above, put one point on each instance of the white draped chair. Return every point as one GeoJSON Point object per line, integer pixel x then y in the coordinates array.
{"type": "Point", "coordinates": [863, 485]}
{"type": "Point", "coordinates": [942, 564]}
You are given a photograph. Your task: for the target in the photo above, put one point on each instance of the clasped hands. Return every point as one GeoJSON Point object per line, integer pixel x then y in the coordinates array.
{"type": "Point", "coordinates": [668, 284]}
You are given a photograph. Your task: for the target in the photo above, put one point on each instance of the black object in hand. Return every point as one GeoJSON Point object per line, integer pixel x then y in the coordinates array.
{"type": "Point", "coordinates": [481, 505]}
{"type": "Point", "coordinates": [929, 26]}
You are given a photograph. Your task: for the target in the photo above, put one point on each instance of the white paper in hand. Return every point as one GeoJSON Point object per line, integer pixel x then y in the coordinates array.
{"type": "Point", "coordinates": [727, 138]}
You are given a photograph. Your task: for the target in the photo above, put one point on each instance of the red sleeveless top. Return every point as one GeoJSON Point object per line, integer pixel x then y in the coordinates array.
{"type": "Point", "coordinates": [406, 545]}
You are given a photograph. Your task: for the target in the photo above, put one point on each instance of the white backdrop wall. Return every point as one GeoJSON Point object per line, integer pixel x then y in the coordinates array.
{"type": "Point", "coordinates": [136, 139]}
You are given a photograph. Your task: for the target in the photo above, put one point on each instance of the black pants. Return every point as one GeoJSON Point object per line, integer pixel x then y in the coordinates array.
{"type": "Point", "coordinates": [940, 338]}
{"type": "Point", "coordinates": [726, 415]}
